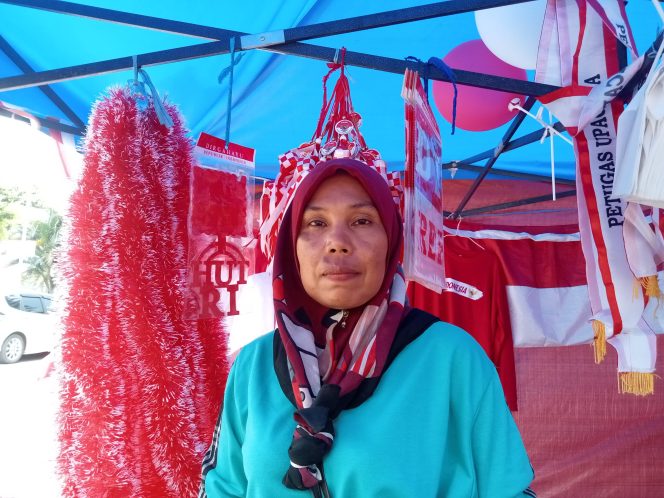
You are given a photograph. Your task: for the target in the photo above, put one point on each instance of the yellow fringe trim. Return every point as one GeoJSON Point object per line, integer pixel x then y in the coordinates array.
{"type": "Point", "coordinates": [651, 286]}
{"type": "Point", "coordinates": [599, 343]}
{"type": "Point", "coordinates": [636, 288]}
{"type": "Point", "coordinates": [637, 383]}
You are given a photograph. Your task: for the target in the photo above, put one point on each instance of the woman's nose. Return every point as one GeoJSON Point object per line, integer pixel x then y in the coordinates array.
{"type": "Point", "coordinates": [339, 240]}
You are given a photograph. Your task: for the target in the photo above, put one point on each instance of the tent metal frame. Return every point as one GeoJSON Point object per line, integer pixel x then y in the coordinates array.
{"type": "Point", "coordinates": [505, 172]}
{"type": "Point", "coordinates": [511, 204]}
{"type": "Point", "coordinates": [23, 65]}
{"type": "Point", "coordinates": [46, 122]}
{"type": "Point", "coordinates": [288, 42]}
{"type": "Point", "coordinates": [511, 145]}
{"type": "Point", "coordinates": [284, 42]}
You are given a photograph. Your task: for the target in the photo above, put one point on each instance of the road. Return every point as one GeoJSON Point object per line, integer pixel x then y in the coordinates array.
{"type": "Point", "coordinates": [28, 408]}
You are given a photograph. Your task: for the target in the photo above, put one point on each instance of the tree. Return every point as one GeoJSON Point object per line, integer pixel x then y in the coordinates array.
{"type": "Point", "coordinates": [40, 266]}
{"type": "Point", "coordinates": [7, 198]}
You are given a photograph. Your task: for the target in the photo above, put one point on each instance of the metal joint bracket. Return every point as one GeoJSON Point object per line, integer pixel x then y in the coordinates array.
{"type": "Point", "coordinates": [262, 39]}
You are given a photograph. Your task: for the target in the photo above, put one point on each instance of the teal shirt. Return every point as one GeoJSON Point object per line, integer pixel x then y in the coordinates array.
{"type": "Point", "coordinates": [437, 425]}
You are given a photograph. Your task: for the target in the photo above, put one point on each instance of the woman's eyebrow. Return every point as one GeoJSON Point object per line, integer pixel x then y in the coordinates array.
{"type": "Point", "coordinates": [364, 204]}
{"type": "Point", "coordinates": [357, 205]}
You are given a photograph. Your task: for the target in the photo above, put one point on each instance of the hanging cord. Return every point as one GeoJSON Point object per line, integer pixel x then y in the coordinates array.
{"type": "Point", "coordinates": [334, 66]}
{"type": "Point", "coordinates": [228, 71]}
{"type": "Point", "coordinates": [552, 153]}
{"type": "Point", "coordinates": [162, 114]}
{"type": "Point", "coordinates": [137, 88]}
{"type": "Point", "coordinates": [143, 97]}
{"type": "Point", "coordinates": [457, 233]}
{"type": "Point", "coordinates": [450, 74]}
{"type": "Point", "coordinates": [134, 59]}
{"type": "Point", "coordinates": [424, 72]}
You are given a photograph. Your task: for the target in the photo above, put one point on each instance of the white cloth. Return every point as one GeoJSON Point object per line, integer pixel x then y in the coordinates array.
{"type": "Point", "coordinates": [639, 176]}
{"type": "Point", "coordinates": [644, 243]}
{"type": "Point", "coordinates": [636, 348]}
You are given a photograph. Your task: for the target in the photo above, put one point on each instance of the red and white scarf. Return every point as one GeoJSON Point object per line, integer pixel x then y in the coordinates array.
{"type": "Point", "coordinates": [330, 352]}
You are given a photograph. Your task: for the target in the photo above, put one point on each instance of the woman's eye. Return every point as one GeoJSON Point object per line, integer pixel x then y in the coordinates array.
{"type": "Point", "coordinates": [315, 223]}
{"type": "Point", "coordinates": [362, 221]}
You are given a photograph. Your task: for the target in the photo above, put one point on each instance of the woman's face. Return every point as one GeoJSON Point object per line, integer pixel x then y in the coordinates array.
{"type": "Point", "coordinates": [342, 245]}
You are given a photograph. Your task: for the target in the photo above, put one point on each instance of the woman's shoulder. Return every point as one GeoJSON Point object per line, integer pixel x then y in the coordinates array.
{"type": "Point", "coordinates": [448, 335]}
{"type": "Point", "coordinates": [447, 341]}
{"type": "Point", "coordinates": [260, 347]}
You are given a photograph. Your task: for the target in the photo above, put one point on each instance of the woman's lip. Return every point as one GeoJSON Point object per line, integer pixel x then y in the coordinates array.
{"type": "Point", "coordinates": [341, 276]}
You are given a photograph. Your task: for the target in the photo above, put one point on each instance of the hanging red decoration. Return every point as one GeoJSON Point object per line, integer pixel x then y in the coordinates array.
{"type": "Point", "coordinates": [337, 135]}
{"type": "Point", "coordinates": [140, 384]}
{"type": "Point", "coordinates": [220, 202]}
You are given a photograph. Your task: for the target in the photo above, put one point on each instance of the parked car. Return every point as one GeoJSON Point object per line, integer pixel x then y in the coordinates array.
{"type": "Point", "coordinates": [27, 325]}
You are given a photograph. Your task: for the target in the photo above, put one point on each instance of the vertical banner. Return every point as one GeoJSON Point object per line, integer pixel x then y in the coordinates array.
{"type": "Point", "coordinates": [423, 260]}
{"type": "Point", "coordinates": [220, 225]}
{"type": "Point", "coordinates": [579, 51]}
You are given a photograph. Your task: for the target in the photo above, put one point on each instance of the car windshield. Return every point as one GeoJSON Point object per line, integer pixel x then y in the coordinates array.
{"type": "Point", "coordinates": [32, 303]}
{"type": "Point", "coordinates": [48, 304]}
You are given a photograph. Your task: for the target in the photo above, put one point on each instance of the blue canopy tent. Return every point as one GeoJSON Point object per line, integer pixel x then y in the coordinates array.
{"type": "Point", "coordinates": [57, 58]}
{"type": "Point", "coordinates": [76, 51]}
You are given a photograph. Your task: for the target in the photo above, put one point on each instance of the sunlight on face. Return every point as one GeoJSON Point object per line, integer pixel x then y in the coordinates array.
{"type": "Point", "coordinates": [342, 245]}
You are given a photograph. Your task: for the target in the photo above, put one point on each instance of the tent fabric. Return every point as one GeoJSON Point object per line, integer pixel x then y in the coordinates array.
{"type": "Point", "coordinates": [559, 216]}
{"type": "Point", "coordinates": [275, 98]}
{"type": "Point", "coordinates": [583, 437]}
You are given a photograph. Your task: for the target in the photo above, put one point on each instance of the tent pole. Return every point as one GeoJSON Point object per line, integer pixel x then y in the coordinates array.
{"type": "Point", "coordinates": [514, 125]}
{"type": "Point", "coordinates": [511, 145]}
{"type": "Point", "coordinates": [45, 122]}
{"type": "Point", "coordinates": [299, 33]}
{"type": "Point", "coordinates": [393, 17]}
{"type": "Point", "coordinates": [290, 36]}
{"type": "Point", "coordinates": [23, 65]}
{"type": "Point", "coordinates": [111, 66]}
{"type": "Point", "coordinates": [386, 64]}
{"type": "Point", "coordinates": [463, 165]}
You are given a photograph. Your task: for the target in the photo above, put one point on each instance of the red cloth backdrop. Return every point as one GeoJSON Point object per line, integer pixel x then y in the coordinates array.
{"type": "Point", "coordinates": [583, 437]}
{"type": "Point", "coordinates": [476, 301]}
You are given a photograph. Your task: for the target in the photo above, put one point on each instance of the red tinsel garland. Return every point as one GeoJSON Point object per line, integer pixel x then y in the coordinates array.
{"type": "Point", "coordinates": [140, 385]}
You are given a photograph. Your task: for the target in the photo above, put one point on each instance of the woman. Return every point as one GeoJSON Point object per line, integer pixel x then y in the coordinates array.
{"type": "Point", "coordinates": [355, 394]}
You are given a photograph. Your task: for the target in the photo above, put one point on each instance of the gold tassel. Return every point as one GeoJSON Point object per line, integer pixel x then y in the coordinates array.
{"type": "Point", "coordinates": [637, 383]}
{"type": "Point", "coordinates": [636, 288]}
{"type": "Point", "coordinates": [599, 343]}
{"type": "Point", "coordinates": [651, 286]}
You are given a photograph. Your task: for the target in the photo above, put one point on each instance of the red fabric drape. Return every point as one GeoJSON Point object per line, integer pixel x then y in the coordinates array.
{"type": "Point", "coordinates": [583, 437]}
{"type": "Point", "coordinates": [476, 301]}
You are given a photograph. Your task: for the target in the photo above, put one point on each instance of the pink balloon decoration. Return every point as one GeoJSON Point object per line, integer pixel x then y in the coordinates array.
{"type": "Point", "coordinates": [478, 109]}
